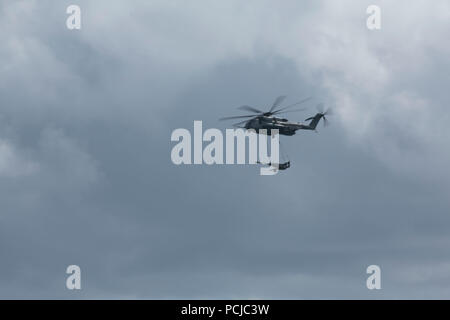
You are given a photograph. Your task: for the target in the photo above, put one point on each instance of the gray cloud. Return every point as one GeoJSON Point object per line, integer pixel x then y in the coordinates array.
{"type": "Point", "coordinates": [86, 176]}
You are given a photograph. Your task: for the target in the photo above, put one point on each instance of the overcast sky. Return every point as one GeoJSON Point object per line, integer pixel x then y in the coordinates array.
{"type": "Point", "coordinates": [85, 170]}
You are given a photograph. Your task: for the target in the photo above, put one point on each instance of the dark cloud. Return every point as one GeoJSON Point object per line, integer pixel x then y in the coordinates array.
{"type": "Point", "coordinates": [86, 176]}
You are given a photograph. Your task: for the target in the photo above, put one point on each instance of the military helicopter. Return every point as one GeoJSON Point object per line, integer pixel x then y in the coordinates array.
{"type": "Point", "coordinates": [268, 120]}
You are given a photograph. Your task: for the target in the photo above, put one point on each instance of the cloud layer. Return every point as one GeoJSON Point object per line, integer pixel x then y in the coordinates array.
{"type": "Point", "coordinates": [85, 170]}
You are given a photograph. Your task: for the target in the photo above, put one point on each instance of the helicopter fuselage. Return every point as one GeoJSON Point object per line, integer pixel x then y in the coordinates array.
{"type": "Point", "coordinates": [269, 123]}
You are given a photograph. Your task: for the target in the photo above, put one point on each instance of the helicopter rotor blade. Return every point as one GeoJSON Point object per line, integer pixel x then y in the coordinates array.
{"type": "Point", "coordinates": [277, 102]}
{"type": "Point", "coordinates": [294, 104]}
{"type": "Point", "coordinates": [238, 125]}
{"type": "Point", "coordinates": [251, 109]}
{"type": "Point", "coordinates": [236, 117]}
{"type": "Point", "coordinates": [289, 111]}
{"type": "Point", "coordinates": [320, 107]}
{"type": "Point", "coordinates": [329, 112]}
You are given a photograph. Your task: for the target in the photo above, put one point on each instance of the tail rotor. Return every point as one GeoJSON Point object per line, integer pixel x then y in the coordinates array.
{"type": "Point", "coordinates": [323, 114]}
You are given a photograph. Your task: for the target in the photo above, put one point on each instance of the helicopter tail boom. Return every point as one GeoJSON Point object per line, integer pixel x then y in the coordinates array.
{"type": "Point", "coordinates": [314, 120]}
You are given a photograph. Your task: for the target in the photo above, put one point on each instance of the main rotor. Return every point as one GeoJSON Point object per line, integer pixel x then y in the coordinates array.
{"type": "Point", "coordinates": [272, 111]}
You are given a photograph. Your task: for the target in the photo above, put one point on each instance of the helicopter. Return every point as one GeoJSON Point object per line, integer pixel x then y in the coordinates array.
{"type": "Point", "coordinates": [268, 121]}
